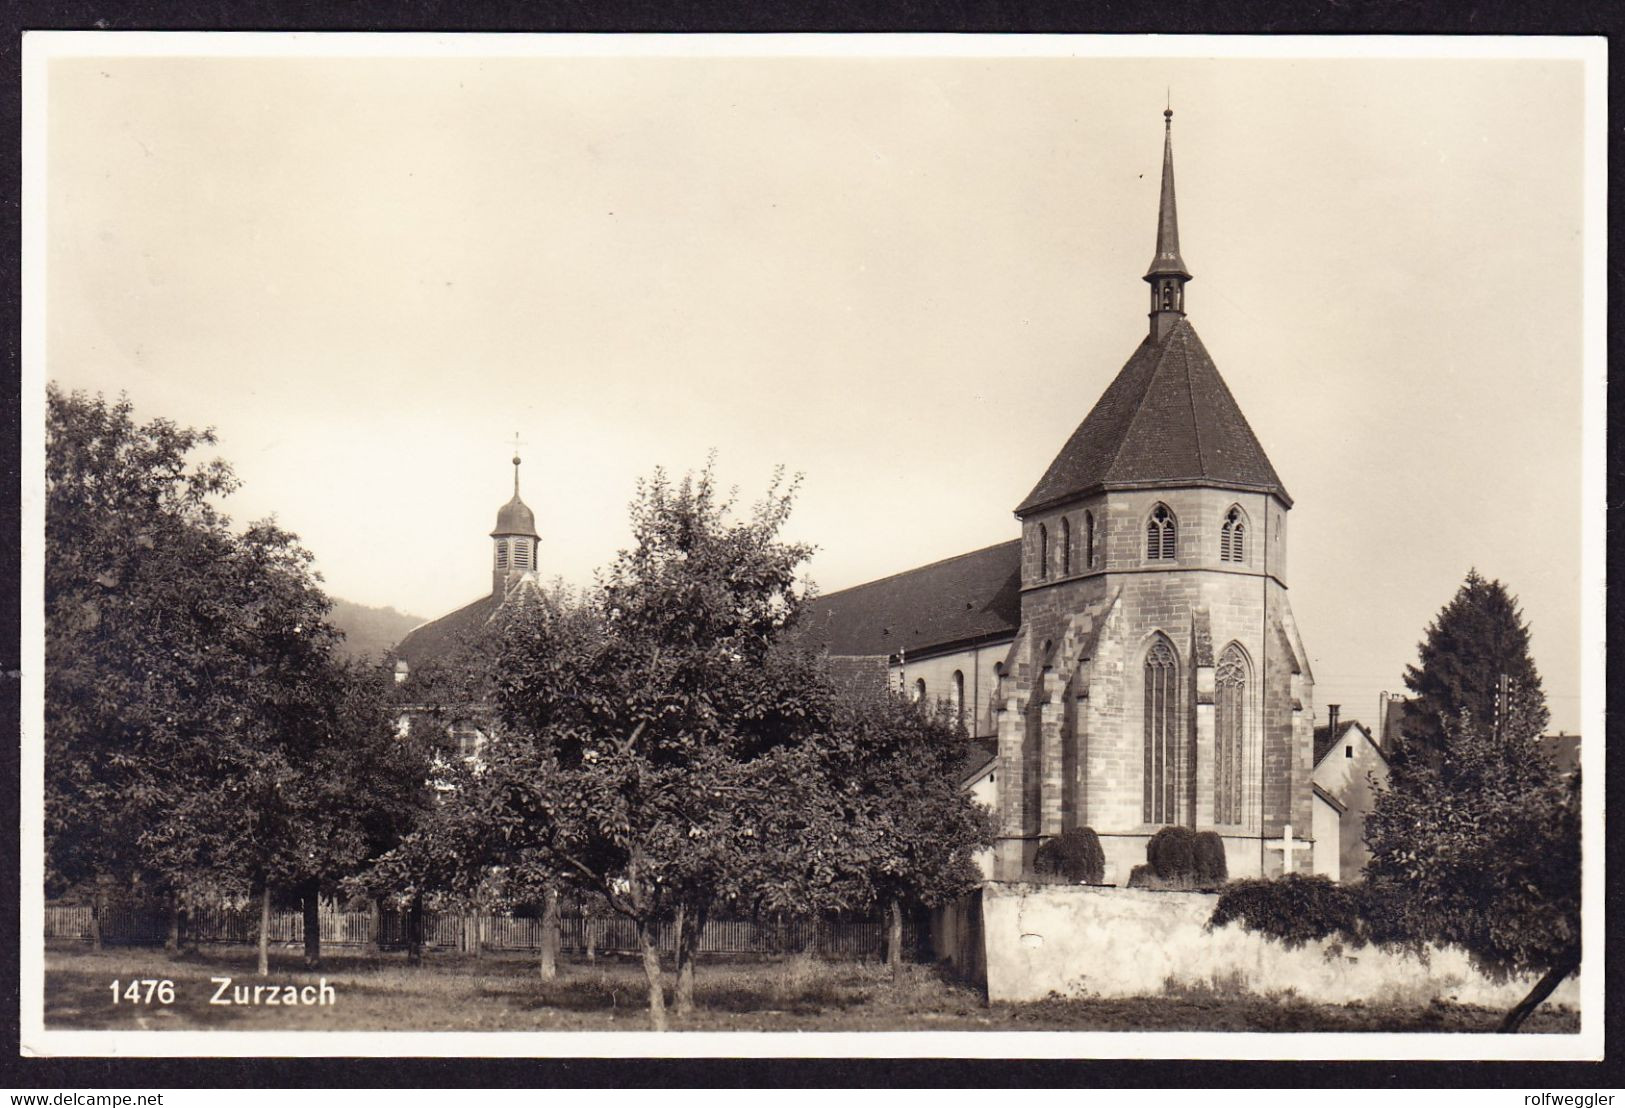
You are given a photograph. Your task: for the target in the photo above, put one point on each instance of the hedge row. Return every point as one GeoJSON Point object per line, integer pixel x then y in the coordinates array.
{"type": "Point", "coordinates": [1300, 908]}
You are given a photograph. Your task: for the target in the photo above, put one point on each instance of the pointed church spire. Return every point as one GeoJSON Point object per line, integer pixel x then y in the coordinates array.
{"type": "Point", "coordinates": [1167, 275]}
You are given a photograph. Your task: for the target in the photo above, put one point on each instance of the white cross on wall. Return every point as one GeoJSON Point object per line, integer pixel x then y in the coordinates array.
{"type": "Point", "coordinates": [1286, 846]}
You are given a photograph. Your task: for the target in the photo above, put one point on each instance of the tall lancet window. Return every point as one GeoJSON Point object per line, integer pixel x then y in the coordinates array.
{"type": "Point", "coordinates": [1233, 537]}
{"type": "Point", "coordinates": [1164, 761]}
{"type": "Point", "coordinates": [959, 698]}
{"type": "Point", "coordinates": [1089, 540]}
{"type": "Point", "coordinates": [1066, 546]}
{"type": "Point", "coordinates": [1230, 723]}
{"type": "Point", "coordinates": [1160, 536]}
{"type": "Point", "coordinates": [1043, 552]}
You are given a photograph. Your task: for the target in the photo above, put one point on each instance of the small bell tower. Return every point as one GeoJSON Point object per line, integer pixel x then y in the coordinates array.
{"type": "Point", "coordinates": [1167, 275]}
{"type": "Point", "coordinates": [514, 541]}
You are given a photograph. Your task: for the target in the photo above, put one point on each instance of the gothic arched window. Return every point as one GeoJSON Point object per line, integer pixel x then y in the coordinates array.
{"type": "Point", "coordinates": [1066, 546]}
{"type": "Point", "coordinates": [1229, 731]}
{"type": "Point", "coordinates": [1089, 539]}
{"type": "Point", "coordinates": [1164, 762]}
{"type": "Point", "coordinates": [1160, 534]}
{"type": "Point", "coordinates": [959, 698]}
{"type": "Point", "coordinates": [1043, 552]}
{"type": "Point", "coordinates": [1233, 537]}
{"type": "Point", "coordinates": [919, 691]}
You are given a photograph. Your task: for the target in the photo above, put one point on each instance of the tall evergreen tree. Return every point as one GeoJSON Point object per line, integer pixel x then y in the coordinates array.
{"type": "Point", "coordinates": [1476, 640]}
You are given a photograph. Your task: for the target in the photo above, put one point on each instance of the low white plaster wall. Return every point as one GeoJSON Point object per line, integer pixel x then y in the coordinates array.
{"type": "Point", "coordinates": [1079, 940]}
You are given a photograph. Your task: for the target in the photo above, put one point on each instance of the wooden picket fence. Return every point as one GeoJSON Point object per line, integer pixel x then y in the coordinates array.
{"type": "Point", "coordinates": [837, 939]}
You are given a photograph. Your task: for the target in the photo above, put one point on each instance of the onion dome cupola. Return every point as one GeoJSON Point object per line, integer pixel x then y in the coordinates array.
{"type": "Point", "coordinates": [514, 540]}
{"type": "Point", "coordinates": [1167, 275]}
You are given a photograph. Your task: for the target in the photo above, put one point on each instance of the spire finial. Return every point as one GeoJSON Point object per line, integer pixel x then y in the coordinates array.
{"type": "Point", "coordinates": [1167, 275]}
{"type": "Point", "coordinates": [516, 445]}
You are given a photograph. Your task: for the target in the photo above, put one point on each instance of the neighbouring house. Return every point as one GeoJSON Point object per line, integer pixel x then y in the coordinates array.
{"type": "Point", "coordinates": [1349, 768]}
{"type": "Point", "coordinates": [1132, 653]}
{"type": "Point", "coordinates": [979, 776]}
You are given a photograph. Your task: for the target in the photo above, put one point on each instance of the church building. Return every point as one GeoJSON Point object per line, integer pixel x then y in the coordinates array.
{"type": "Point", "coordinates": [1130, 662]}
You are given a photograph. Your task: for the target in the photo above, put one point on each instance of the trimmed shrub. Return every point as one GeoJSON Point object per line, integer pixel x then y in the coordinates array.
{"type": "Point", "coordinates": [1211, 868]}
{"type": "Point", "coordinates": [1075, 857]}
{"type": "Point", "coordinates": [1171, 853]}
{"type": "Point", "coordinates": [1142, 877]}
{"type": "Point", "coordinates": [1297, 908]}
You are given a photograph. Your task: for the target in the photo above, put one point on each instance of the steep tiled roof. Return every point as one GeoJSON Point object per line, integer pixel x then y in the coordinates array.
{"type": "Point", "coordinates": [1167, 419]}
{"type": "Point", "coordinates": [972, 596]}
{"type": "Point", "coordinates": [436, 638]}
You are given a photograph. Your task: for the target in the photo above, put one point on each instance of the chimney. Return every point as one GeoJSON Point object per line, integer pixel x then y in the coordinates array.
{"type": "Point", "coordinates": [1382, 717]}
{"type": "Point", "coordinates": [1332, 711]}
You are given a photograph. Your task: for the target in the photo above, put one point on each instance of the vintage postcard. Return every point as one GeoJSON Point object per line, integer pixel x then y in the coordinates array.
{"type": "Point", "coordinates": [658, 545]}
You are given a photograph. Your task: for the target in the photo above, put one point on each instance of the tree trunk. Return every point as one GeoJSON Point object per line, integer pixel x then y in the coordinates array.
{"type": "Point", "coordinates": [690, 926]}
{"type": "Point", "coordinates": [414, 931]}
{"type": "Point", "coordinates": [1543, 989]}
{"type": "Point", "coordinates": [550, 933]}
{"type": "Point", "coordinates": [590, 939]}
{"type": "Point", "coordinates": [187, 923]}
{"type": "Point", "coordinates": [894, 940]}
{"type": "Point", "coordinates": [648, 936]}
{"type": "Point", "coordinates": [96, 916]}
{"type": "Point", "coordinates": [375, 926]}
{"type": "Point", "coordinates": [313, 924]}
{"type": "Point", "coordinates": [265, 930]}
{"type": "Point", "coordinates": [172, 940]}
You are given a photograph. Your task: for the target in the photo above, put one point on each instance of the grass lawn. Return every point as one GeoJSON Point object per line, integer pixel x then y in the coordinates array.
{"type": "Point", "coordinates": [502, 992]}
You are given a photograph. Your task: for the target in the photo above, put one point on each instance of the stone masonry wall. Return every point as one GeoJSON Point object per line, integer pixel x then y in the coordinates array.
{"type": "Point", "coordinates": [1086, 941]}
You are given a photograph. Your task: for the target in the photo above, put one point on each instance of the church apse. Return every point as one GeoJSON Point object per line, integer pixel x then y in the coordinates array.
{"type": "Point", "coordinates": [1156, 677]}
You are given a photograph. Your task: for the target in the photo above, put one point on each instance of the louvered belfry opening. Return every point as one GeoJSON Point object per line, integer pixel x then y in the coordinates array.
{"type": "Point", "coordinates": [1230, 696]}
{"type": "Point", "coordinates": [1089, 539]}
{"type": "Point", "coordinates": [1233, 537]}
{"type": "Point", "coordinates": [1160, 534]}
{"type": "Point", "coordinates": [1163, 759]}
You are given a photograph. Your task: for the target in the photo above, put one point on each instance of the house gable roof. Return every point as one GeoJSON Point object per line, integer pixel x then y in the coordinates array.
{"type": "Point", "coordinates": [975, 596]}
{"type": "Point", "coordinates": [1167, 419]}
{"type": "Point", "coordinates": [1325, 741]}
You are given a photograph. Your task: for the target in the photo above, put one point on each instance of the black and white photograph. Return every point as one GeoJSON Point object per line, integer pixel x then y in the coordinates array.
{"type": "Point", "coordinates": [971, 546]}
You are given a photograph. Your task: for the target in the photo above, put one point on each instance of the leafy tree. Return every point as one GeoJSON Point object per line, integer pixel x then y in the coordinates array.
{"type": "Point", "coordinates": [198, 726]}
{"type": "Point", "coordinates": [1476, 639]}
{"type": "Point", "coordinates": [913, 832]}
{"type": "Point", "coordinates": [636, 724]}
{"type": "Point", "coordinates": [1480, 848]}
{"type": "Point", "coordinates": [133, 545]}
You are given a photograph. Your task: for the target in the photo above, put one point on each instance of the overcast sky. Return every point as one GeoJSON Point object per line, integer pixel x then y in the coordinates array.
{"type": "Point", "coordinates": [906, 279]}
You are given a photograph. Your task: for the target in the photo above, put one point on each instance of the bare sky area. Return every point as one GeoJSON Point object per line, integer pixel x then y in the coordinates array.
{"type": "Point", "coordinates": [906, 278]}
